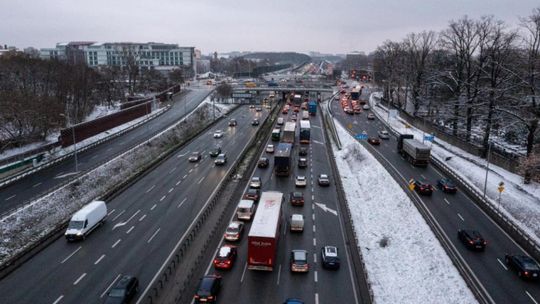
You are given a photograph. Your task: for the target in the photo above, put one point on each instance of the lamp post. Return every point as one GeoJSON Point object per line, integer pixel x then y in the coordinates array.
{"type": "Point", "coordinates": [74, 143]}
{"type": "Point", "coordinates": [487, 167]}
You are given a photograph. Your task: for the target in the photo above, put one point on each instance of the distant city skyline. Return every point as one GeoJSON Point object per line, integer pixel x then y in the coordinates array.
{"type": "Point", "coordinates": [333, 27]}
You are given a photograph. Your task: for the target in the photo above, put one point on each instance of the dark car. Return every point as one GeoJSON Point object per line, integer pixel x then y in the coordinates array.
{"type": "Point", "coordinates": [525, 266]}
{"type": "Point", "coordinates": [252, 194]}
{"type": "Point", "coordinates": [124, 290]}
{"type": "Point", "coordinates": [446, 185]}
{"type": "Point", "coordinates": [472, 239]}
{"type": "Point", "coordinates": [370, 116]}
{"type": "Point", "coordinates": [329, 257]}
{"type": "Point", "coordinates": [255, 122]}
{"type": "Point", "coordinates": [422, 188]}
{"type": "Point", "coordinates": [296, 198]}
{"type": "Point", "coordinates": [215, 152]}
{"type": "Point", "coordinates": [293, 301]}
{"type": "Point", "coordinates": [208, 289]}
{"type": "Point", "coordinates": [302, 162]}
{"type": "Point", "coordinates": [374, 141]}
{"type": "Point", "coordinates": [232, 123]}
{"type": "Point", "coordinates": [299, 261]}
{"type": "Point", "coordinates": [195, 157]}
{"type": "Point", "coordinates": [303, 151]}
{"type": "Point", "coordinates": [225, 257]}
{"type": "Point", "coordinates": [263, 162]}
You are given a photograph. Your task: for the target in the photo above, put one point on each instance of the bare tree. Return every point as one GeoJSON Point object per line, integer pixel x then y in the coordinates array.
{"type": "Point", "coordinates": [224, 90]}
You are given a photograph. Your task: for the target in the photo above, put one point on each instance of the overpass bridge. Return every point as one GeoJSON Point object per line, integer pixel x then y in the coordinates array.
{"type": "Point", "coordinates": [248, 95]}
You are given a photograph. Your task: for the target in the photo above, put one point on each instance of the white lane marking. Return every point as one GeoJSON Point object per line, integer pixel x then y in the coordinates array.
{"type": "Point", "coordinates": [127, 221]}
{"type": "Point", "coordinates": [316, 298]}
{"type": "Point", "coordinates": [69, 256]}
{"type": "Point", "coordinates": [243, 273]}
{"type": "Point", "coordinates": [461, 217]}
{"type": "Point", "coordinates": [190, 170]}
{"type": "Point", "coordinates": [178, 182]}
{"type": "Point", "coordinates": [153, 207]}
{"type": "Point", "coordinates": [530, 296]}
{"type": "Point", "coordinates": [422, 175]}
{"type": "Point", "coordinates": [117, 216]}
{"type": "Point", "coordinates": [318, 142]}
{"type": "Point", "coordinates": [116, 243]}
{"type": "Point", "coordinates": [153, 235]}
{"type": "Point", "coordinates": [313, 216]}
{"type": "Point", "coordinates": [94, 156]}
{"type": "Point", "coordinates": [502, 264]}
{"type": "Point", "coordinates": [200, 181]}
{"type": "Point", "coordinates": [312, 206]}
{"type": "Point", "coordinates": [142, 217]}
{"type": "Point", "coordinates": [162, 198]}
{"type": "Point", "coordinates": [185, 176]}
{"type": "Point", "coordinates": [278, 275]}
{"type": "Point", "coordinates": [314, 242]}
{"type": "Point", "coordinates": [99, 260]}
{"type": "Point", "coordinates": [59, 299]}
{"type": "Point", "coordinates": [172, 170]}
{"type": "Point", "coordinates": [79, 279]}
{"type": "Point", "coordinates": [196, 165]}
{"type": "Point", "coordinates": [111, 212]}
{"type": "Point", "coordinates": [446, 201]}
{"type": "Point", "coordinates": [7, 199]}
{"type": "Point", "coordinates": [129, 230]}
{"type": "Point", "coordinates": [36, 185]}
{"type": "Point", "coordinates": [313, 228]}
{"type": "Point", "coordinates": [104, 292]}
{"type": "Point", "coordinates": [109, 149]}
{"type": "Point", "coordinates": [315, 258]}
{"type": "Point", "coordinates": [171, 190]}
{"type": "Point", "coordinates": [150, 189]}
{"type": "Point", "coordinates": [313, 197]}
{"type": "Point", "coordinates": [182, 202]}
{"type": "Point", "coordinates": [316, 278]}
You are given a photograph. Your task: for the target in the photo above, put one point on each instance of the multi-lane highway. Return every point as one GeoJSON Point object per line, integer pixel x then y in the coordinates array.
{"type": "Point", "coordinates": [453, 212]}
{"type": "Point", "coordinates": [144, 224]}
{"type": "Point", "coordinates": [19, 192]}
{"type": "Point", "coordinates": [319, 285]}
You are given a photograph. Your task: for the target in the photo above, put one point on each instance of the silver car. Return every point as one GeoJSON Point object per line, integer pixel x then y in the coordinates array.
{"type": "Point", "coordinates": [383, 134]}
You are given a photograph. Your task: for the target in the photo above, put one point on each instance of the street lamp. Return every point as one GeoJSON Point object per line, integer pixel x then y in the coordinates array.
{"type": "Point", "coordinates": [74, 143]}
{"type": "Point", "coordinates": [487, 167]}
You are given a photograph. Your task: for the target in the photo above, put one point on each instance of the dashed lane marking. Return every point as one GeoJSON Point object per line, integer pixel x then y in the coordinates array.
{"type": "Point", "coordinates": [99, 260]}
{"type": "Point", "coordinates": [58, 299]}
{"type": "Point", "coordinates": [150, 188]}
{"type": "Point", "coordinates": [116, 243]}
{"type": "Point", "coordinates": [79, 279]}
{"type": "Point", "coordinates": [69, 256]}
{"type": "Point", "coordinates": [502, 264]}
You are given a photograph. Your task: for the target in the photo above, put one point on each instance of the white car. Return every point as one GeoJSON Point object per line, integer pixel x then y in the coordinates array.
{"type": "Point", "coordinates": [255, 182]}
{"type": "Point", "coordinates": [366, 107]}
{"type": "Point", "coordinates": [383, 134]}
{"type": "Point", "coordinates": [300, 181]}
{"type": "Point", "coordinates": [218, 134]}
{"type": "Point", "coordinates": [270, 149]}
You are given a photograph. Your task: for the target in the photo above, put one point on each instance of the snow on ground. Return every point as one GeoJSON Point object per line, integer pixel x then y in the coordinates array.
{"type": "Point", "coordinates": [404, 260]}
{"type": "Point", "coordinates": [101, 110]}
{"type": "Point", "coordinates": [519, 201]}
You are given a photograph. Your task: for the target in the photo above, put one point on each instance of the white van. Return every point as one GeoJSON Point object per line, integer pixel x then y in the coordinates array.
{"type": "Point", "coordinates": [86, 220]}
{"type": "Point", "coordinates": [297, 222]}
{"type": "Point", "coordinates": [305, 115]}
{"type": "Point", "coordinates": [245, 210]}
{"type": "Point", "coordinates": [280, 121]}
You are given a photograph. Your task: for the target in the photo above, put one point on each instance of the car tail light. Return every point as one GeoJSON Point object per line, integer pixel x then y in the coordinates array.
{"type": "Point", "coordinates": [485, 242]}
{"type": "Point", "coordinates": [196, 296]}
{"type": "Point", "coordinates": [526, 273]}
{"type": "Point", "coordinates": [471, 242]}
{"type": "Point", "coordinates": [228, 262]}
{"type": "Point", "coordinates": [210, 297]}
{"type": "Point", "coordinates": [216, 261]}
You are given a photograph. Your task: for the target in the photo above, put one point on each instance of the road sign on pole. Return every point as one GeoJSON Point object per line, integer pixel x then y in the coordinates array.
{"type": "Point", "coordinates": [361, 136]}
{"type": "Point", "coordinates": [501, 187]}
{"type": "Point", "coordinates": [429, 137]}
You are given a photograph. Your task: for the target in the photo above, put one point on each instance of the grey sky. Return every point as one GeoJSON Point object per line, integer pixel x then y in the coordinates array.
{"type": "Point", "coordinates": [334, 26]}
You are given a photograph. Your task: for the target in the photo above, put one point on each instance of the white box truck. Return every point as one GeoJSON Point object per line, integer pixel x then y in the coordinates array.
{"type": "Point", "coordinates": [245, 210]}
{"type": "Point", "coordinates": [86, 220]}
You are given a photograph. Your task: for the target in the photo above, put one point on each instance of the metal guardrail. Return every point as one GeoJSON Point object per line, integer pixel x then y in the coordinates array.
{"type": "Point", "coordinates": [328, 118]}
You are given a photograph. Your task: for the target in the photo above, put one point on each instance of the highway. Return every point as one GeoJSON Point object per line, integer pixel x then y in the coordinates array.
{"type": "Point", "coordinates": [321, 228]}
{"type": "Point", "coordinates": [453, 212]}
{"type": "Point", "coordinates": [144, 224]}
{"type": "Point", "coordinates": [34, 185]}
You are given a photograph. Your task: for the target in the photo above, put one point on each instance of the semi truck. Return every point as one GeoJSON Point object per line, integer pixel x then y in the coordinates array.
{"type": "Point", "coordinates": [282, 159]}
{"type": "Point", "coordinates": [264, 234]}
{"type": "Point", "coordinates": [355, 93]}
{"type": "Point", "coordinates": [413, 151]}
{"type": "Point", "coordinates": [289, 132]}
{"type": "Point", "coordinates": [312, 108]}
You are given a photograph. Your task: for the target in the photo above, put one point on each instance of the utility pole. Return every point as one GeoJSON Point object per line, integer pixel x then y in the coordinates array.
{"type": "Point", "coordinates": [487, 168]}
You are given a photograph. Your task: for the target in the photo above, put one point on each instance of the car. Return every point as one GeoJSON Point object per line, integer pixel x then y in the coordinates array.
{"type": "Point", "coordinates": [303, 151]}
{"type": "Point", "coordinates": [293, 301]}
{"type": "Point", "coordinates": [270, 149]}
{"type": "Point", "coordinates": [299, 262]}
{"type": "Point", "coordinates": [252, 194]}
{"type": "Point", "coordinates": [263, 162]}
{"type": "Point", "coordinates": [255, 182]}
{"type": "Point", "coordinates": [255, 122]}
{"type": "Point", "coordinates": [294, 117]}
{"type": "Point", "coordinates": [446, 185]}
{"type": "Point", "coordinates": [123, 291]}
{"type": "Point", "coordinates": [218, 134]}
{"type": "Point", "coordinates": [258, 109]}
{"type": "Point", "coordinates": [234, 231]}
{"type": "Point", "coordinates": [285, 111]}
{"type": "Point", "coordinates": [422, 188]}
{"type": "Point", "coordinates": [472, 239]}
{"type": "Point", "coordinates": [195, 157]}
{"type": "Point", "coordinates": [221, 159]}
{"type": "Point", "coordinates": [525, 266]}
{"type": "Point", "coordinates": [232, 123]}
{"type": "Point", "coordinates": [251, 106]}
{"type": "Point", "coordinates": [296, 198]}
{"type": "Point", "coordinates": [300, 181]}
{"type": "Point", "coordinates": [296, 109]}
{"type": "Point", "coordinates": [370, 116]}
{"type": "Point", "coordinates": [383, 134]}
{"type": "Point", "coordinates": [330, 257]}
{"type": "Point", "coordinates": [268, 106]}
{"type": "Point", "coordinates": [374, 141]}
{"type": "Point", "coordinates": [214, 152]}
{"type": "Point", "coordinates": [366, 107]}
{"type": "Point", "coordinates": [225, 257]}
{"type": "Point", "coordinates": [302, 162]}
{"type": "Point", "coordinates": [208, 289]}
{"type": "Point", "coordinates": [323, 180]}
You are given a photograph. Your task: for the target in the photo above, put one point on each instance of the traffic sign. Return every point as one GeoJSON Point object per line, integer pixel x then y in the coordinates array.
{"type": "Point", "coordinates": [361, 136]}
{"type": "Point", "coordinates": [501, 187]}
{"type": "Point", "coordinates": [349, 126]}
{"type": "Point", "coordinates": [429, 137]}
{"type": "Point", "coordinates": [411, 184]}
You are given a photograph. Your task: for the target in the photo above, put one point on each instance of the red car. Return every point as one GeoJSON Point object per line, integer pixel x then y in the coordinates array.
{"type": "Point", "coordinates": [422, 187]}
{"type": "Point", "coordinates": [374, 141]}
{"type": "Point", "coordinates": [297, 198]}
{"type": "Point", "coordinates": [252, 194]}
{"type": "Point", "coordinates": [225, 257]}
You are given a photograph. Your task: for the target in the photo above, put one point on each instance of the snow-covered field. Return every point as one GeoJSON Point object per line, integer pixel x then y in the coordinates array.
{"type": "Point", "coordinates": [520, 202]}
{"type": "Point", "coordinates": [28, 225]}
{"type": "Point", "coordinates": [404, 260]}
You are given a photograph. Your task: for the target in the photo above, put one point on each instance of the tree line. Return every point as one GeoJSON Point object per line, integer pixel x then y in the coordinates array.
{"type": "Point", "coordinates": [478, 78]}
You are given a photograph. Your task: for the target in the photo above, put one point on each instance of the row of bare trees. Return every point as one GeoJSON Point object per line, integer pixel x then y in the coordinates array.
{"type": "Point", "coordinates": [473, 77]}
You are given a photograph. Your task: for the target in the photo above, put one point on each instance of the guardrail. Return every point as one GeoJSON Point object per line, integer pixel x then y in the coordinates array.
{"type": "Point", "coordinates": [328, 118]}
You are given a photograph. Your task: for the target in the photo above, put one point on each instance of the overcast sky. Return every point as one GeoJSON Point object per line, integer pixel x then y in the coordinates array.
{"type": "Point", "coordinates": [329, 26]}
